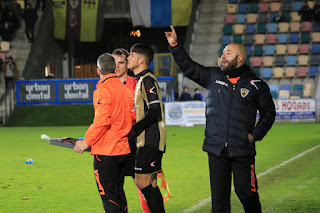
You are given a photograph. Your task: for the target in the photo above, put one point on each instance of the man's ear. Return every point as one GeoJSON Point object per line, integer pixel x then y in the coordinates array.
{"type": "Point", "coordinates": [141, 60]}
{"type": "Point", "coordinates": [98, 72]}
{"type": "Point", "coordinates": [240, 59]}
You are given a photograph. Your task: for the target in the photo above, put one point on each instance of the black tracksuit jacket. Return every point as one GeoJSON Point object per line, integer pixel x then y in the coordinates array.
{"type": "Point", "coordinates": [230, 109]}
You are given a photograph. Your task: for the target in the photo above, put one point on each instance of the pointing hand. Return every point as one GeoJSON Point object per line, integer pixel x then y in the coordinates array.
{"type": "Point", "coordinates": [171, 36]}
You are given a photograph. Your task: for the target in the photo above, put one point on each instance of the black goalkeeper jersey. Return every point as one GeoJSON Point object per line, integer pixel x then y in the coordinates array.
{"type": "Point", "coordinates": [150, 126]}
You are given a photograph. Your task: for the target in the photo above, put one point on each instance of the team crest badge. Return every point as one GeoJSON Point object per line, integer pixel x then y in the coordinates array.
{"type": "Point", "coordinates": [74, 4]}
{"type": "Point", "coordinates": [244, 92]}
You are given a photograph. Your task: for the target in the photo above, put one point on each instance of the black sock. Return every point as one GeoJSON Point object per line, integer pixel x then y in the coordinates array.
{"type": "Point", "coordinates": [154, 199]}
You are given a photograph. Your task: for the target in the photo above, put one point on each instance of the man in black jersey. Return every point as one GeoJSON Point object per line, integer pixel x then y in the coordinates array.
{"type": "Point", "coordinates": [149, 128]}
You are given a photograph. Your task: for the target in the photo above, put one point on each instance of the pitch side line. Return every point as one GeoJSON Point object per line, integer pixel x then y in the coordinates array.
{"type": "Point", "coordinates": [208, 199]}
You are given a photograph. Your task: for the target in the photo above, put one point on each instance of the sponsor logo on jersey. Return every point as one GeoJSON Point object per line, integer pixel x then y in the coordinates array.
{"type": "Point", "coordinates": [99, 101]}
{"type": "Point", "coordinates": [153, 164]}
{"type": "Point", "coordinates": [151, 90]}
{"type": "Point", "coordinates": [136, 168]}
{"type": "Point", "coordinates": [154, 102]}
{"type": "Point", "coordinates": [222, 83]}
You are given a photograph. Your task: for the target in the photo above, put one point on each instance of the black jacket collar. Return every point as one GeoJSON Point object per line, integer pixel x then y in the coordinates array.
{"type": "Point", "coordinates": [237, 72]}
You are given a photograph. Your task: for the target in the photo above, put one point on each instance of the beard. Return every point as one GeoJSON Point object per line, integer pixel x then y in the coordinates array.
{"type": "Point", "coordinates": [230, 66]}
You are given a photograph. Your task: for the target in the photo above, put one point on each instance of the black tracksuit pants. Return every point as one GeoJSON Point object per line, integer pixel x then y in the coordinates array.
{"type": "Point", "coordinates": [245, 182]}
{"type": "Point", "coordinates": [109, 176]}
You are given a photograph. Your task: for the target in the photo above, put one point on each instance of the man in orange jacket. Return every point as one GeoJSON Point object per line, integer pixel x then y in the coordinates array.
{"type": "Point", "coordinates": [107, 135]}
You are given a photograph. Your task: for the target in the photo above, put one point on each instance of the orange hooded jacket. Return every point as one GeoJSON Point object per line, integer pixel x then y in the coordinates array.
{"type": "Point", "coordinates": [113, 103]}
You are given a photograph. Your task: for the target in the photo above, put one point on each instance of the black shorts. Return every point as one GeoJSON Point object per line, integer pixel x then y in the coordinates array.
{"type": "Point", "coordinates": [128, 170]}
{"type": "Point", "coordinates": [148, 160]}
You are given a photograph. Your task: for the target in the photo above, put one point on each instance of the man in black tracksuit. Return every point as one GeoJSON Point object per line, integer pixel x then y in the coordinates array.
{"type": "Point", "coordinates": [234, 94]}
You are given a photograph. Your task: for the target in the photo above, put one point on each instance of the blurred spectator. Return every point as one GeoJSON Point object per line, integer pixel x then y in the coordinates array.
{"type": "Point", "coordinates": [2, 19]}
{"type": "Point", "coordinates": [316, 12]}
{"type": "Point", "coordinates": [29, 16]}
{"type": "Point", "coordinates": [16, 8]}
{"type": "Point", "coordinates": [10, 71]}
{"type": "Point", "coordinates": [3, 8]}
{"type": "Point", "coordinates": [185, 96]}
{"type": "Point", "coordinates": [43, 2]}
{"type": "Point", "coordinates": [13, 21]}
{"type": "Point", "coordinates": [305, 12]}
{"type": "Point", "coordinates": [1, 64]}
{"type": "Point", "coordinates": [197, 95]}
{"type": "Point", "coordinates": [6, 32]}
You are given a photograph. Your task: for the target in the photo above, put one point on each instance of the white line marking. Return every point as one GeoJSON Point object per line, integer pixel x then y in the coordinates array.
{"type": "Point", "coordinates": [208, 199]}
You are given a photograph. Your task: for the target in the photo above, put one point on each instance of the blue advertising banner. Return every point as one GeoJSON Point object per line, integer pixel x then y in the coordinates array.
{"type": "Point", "coordinates": [72, 91]}
{"type": "Point", "coordinates": [69, 91]}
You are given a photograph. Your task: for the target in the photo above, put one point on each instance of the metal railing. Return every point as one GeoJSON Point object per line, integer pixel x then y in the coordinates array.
{"type": "Point", "coordinates": [7, 103]}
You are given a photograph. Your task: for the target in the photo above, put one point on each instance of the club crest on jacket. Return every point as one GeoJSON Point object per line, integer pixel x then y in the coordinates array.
{"type": "Point", "coordinates": [244, 92]}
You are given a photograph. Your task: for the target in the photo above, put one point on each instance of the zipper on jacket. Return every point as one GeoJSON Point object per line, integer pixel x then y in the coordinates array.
{"type": "Point", "coordinates": [233, 89]}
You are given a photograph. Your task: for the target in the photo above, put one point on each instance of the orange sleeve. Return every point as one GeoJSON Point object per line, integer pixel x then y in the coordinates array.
{"type": "Point", "coordinates": [102, 120]}
{"type": "Point", "coordinates": [173, 45]}
{"type": "Point", "coordinates": [131, 85]}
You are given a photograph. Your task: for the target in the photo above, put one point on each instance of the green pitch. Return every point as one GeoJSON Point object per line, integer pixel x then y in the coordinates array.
{"type": "Point", "coordinates": [61, 180]}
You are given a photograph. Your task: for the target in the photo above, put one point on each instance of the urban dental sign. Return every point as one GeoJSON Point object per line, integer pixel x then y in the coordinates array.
{"type": "Point", "coordinates": [72, 91]}
{"type": "Point", "coordinates": [69, 91]}
{"type": "Point", "coordinates": [37, 92]}
{"type": "Point", "coordinates": [75, 91]}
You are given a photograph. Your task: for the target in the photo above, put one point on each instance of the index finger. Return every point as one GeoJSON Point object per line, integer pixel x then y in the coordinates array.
{"type": "Point", "coordinates": [172, 29]}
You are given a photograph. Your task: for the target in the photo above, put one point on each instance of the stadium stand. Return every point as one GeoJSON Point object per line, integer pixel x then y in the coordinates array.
{"type": "Point", "coordinates": [283, 27]}
{"type": "Point", "coordinates": [292, 49]}
{"type": "Point", "coordinates": [269, 49]}
{"type": "Point", "coordinates": [268, 61]}
{"type": "Point", "coordinates": [316, 37]}
{"type": "Point", "coordinates": [282, 49]}
{"type": "Point", "coordinates": [308, 90]}
{"type": "Point", "coordinates": [290, 72]}
{"type": "Point", "coordinates": [248, 39]}
{"type": "Point", "coordinates": [230, 19]}
{"type": "Point", "coordinates": [274, 89]}
{"type": "Point", "coordinates": [267, 73]}
{"type": "Point", "coordinates": [284, 94]}
{"type": "Point", "coordinates": [250, 29]}
{"type": "Point", "coordinates": [262, 18]}
{"type": "Point", "coordinates": [271, 38]}
{"type": "Point", "coordinates": [291, 60]}
{"type": "Point", "coordinates": [263, 7]}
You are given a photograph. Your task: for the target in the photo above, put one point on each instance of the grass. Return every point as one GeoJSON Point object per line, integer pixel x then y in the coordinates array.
{"type": "Point", "coordinates": [61, 180]}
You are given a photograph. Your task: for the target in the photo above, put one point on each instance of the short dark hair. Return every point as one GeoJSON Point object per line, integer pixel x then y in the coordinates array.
{"type": "Point", "coordinates": [145, 50]}
{"type": "Point", "coordinates": [106, 63]}
{"type": "Point", "coordinates": [120, 51]}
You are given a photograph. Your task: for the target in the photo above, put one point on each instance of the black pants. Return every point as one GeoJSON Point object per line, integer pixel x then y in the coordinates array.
{"type": "Point", "coordinates": [109, 176]}
{"type": "Point", "coordinates": [8, 81]}
{"type": "Point", "coordinates": [29, 30]}
{"type": "Point", "coordinates": [245, 182]}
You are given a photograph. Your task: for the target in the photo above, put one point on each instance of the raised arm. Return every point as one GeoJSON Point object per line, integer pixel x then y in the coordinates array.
{"type": "Point", "coordinates": [193, 70]}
